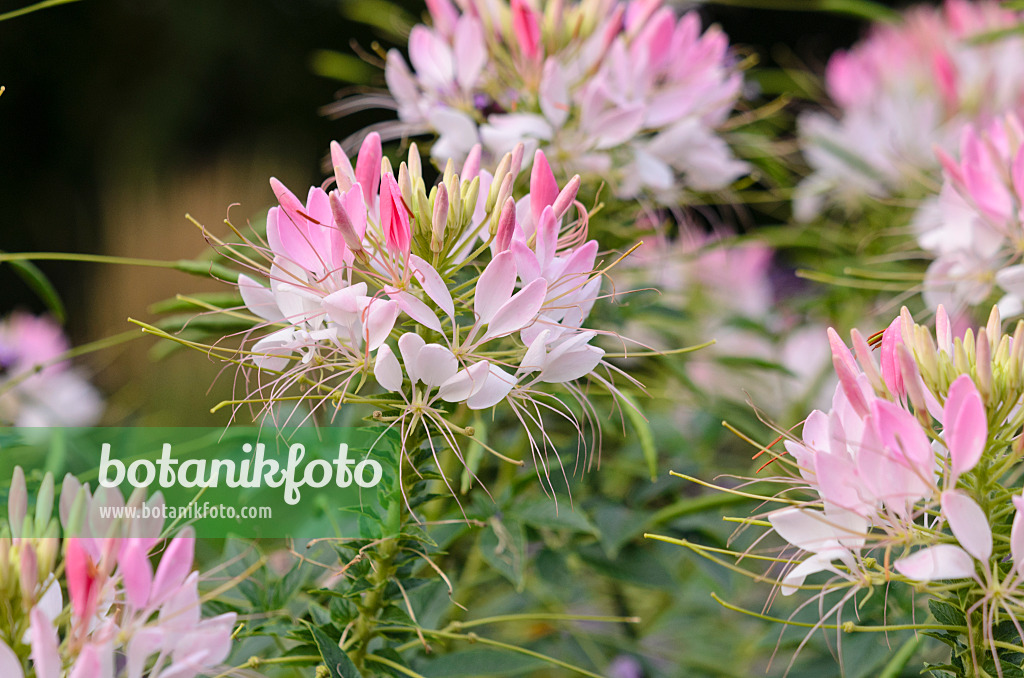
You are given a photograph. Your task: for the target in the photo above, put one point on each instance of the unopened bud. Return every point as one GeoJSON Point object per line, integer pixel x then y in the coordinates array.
{"type": "Point", "coordinates": [440, 219]}
{"type": "Point", "coordinates": [454, 198]}
{"type": "Point", "coordinates": [471, 167]}
{"type": "Point", "coordinates": [912, 383]}
{"type": "Point", "coordinates": [927, 357]}
{"type": "Point", "coordinates": [517, 160]}
{"type": "Point", "coordinates": [863, 353]}
{"type": "Point", "coordinates": [499, 176]}
{"type": "Point", "coordinates": [17, 502]}
{"type": "Point", "coordinates": [449, 171]}
{"type": "Point", "coordinates": [28, 572]}
{"type": "Point", "coordinates": [78, 514]}
{"type": "Point", "coordinates": [983, 365]}
{"type": "Point", "coordinates": [960, 355]}
{"type": "Point", "coordinates": [470, 195]}
{"type": "Point", "coordinates": [994, 326]}
{"type": "Point", "coordinates": [352, 239]}
{"type": "Point", "coordinates": [404, 182]}
{"type": "Point", "coordinates": [415, 164]}
{"type": "Point", "coordinates": [44, 502]}
{"type": "Point", "coordinates": [566, 197]}
{"type": "Point", "coordinates": [385, 166]}
{"type": "Point", "coordinates": [506, 225]}
{"type": "Point", "coordinates": [342, 167]}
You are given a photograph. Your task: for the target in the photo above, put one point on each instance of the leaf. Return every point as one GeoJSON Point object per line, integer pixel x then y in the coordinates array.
{"type": "Point", "coordinates": [334, 657]}
{"type": "Point", "coordinates": [503, 546]}
{"type": "Point", "coordinates": [545, 513]}
{"type": "Point", "coordinates": [945, 613]}
{"type": "Point", "coordinates": [41, 285]}
{"type": "Point", "coordinates": [643, 431]}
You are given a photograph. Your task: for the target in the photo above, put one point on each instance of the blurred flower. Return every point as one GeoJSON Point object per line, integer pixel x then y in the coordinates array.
{"type": "Point", "coordinates": [619, 92]}
{"type": "Point", "coordinates": [975, 226]}
{"type": "Point", "coordinates": [901, 91]}
{"type": "Point", "coordinates": [55, 395]}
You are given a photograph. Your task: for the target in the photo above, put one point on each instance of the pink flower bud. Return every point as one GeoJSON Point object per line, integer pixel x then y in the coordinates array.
{"type": "Point", "coordinates": [394, 218]}
{"type": "Point", "coordinates": [352, 240]}
{"type": "Point", "coordinates": [506, 226]}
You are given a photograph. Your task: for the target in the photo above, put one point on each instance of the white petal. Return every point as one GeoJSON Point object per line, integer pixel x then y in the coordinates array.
{"type": "Point", "coordinates": [259, 299]}
{"type": "Point", "coordinates": [968, 524]}
{"type": "Point", "coordinates": [386, 369]}
{"type": "Point", "coordinates": [465, 383]}
{"type": "Point", "coordinates": [410, 344]}
{"type": "Point", "coordinates": [435, 365]}
{"type": "Point", "coordinates": [496, 387]}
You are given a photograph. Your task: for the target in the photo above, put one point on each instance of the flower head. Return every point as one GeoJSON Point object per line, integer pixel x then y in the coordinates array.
{"type": "Point", "coordinates": [627, 92]}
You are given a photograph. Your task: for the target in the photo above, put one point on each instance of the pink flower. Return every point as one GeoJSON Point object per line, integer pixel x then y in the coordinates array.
{"type": "Point", "coordinates": [902, 91]}
{"type": "Point", "coordinates": [56, 395]}
{"type": "Point", "coordinates": [632, 93]}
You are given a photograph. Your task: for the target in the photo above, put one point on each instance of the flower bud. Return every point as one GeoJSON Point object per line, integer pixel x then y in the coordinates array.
{"type": "Point", "coordinates": [470, 195]}
{"type": "Point", "coordinates": [912, 384]}
{"type": "Point", "coordinates": [352, 239]}
{"type": "Point", "coordinates": [415, 164]}
{"type": "Point", "coordinates": [449, 171]}
{"type": "Point", "coordinates": [862, 352]}
{"type": "Point", "coordinates": [471, 168]}
{"type": "Point", "coordinates": [28, 573]}
{"type": "Point", "coordinates": [343, 174]}
{"type": "Point", "coordinates": [566, 197]}
{"type": "Point", "coordinates": [404, 182]}
{"type": "Point", "coordinates": [44, 502]}
{"type": "Point", "coordinates": [454, 198]}
{"type": "Point", "coordinates": [439, 220]}
{"type": "Point", "coordinates": [983, 365]}
{"type": "Point", "coordinates": [78, 515]}
{"type": "Point", "coordinates": [17, 502]}
{"type": "Point", "coordinates": [506, 226]}
{"type": "Point", "coordinates": [516, 165]}
{"type": "Point", "coordinates": [499, 176]}
{"type": "Point", "coordinates": [385, 167]}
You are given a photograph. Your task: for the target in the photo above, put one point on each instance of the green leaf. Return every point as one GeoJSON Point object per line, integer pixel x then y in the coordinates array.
{"type": "Point", "coordinates": [947, 614]}
{"type": "Point", "coordinates": [477, 663]}
{"type": "Point", "coordinates": [862, 9]}
{"type": "Point", "coordinates": [544, 513]}
{"type": "Point", "coordinates": [41, 285]}
{"type": "Point", "coordinates": [334, 657]}
{"type": "Point", "coordinates": [643, 431]}
{"type": "Point", "coordinates": [503, 546]}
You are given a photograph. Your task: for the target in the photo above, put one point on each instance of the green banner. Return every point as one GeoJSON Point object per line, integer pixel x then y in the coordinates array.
{"type": "Point", "coordinates": [239, 481]}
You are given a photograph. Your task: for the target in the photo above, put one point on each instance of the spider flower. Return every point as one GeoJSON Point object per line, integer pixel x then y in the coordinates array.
{"type": "Point", "coordinates": [912, 478]}
{"type": "Point", "coordinates": [447, 294]}
{"type": "Point", "coordinates": [621, 92]}
{"type": "Point", "coordinates": [122, 619]}
{"type": "Point", "coordinates": [37, 388]}
{"type": "Point", "coordinates": [901, 91]}
{"type": "Point", "coordinates": [975, 227]}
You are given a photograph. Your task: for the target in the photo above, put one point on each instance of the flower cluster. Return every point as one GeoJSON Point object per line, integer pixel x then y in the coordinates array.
{"type": "Point", "coordinates": [621, 92]}
{"type": "Point", "coordinates": [37, 388]}
{"type": "Point", "coordinates": [903, 90]}
{"type": "Point", "coordinates": [459, 294]}
{"type": "Point", "coordinates": [911, 473]}
{"type": "Point", "coordinates": [123, 618]}
{"type": "Point", "coordinates": [975, 227]}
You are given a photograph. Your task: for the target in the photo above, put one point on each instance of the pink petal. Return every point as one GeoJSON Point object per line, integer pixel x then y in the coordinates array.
{"type": "Point", "coordinates": [136, 571]}
{"type": "Point", "coordinates": [943, 331]}
{"type": "Point", "coordinates": [46, 658]}
{"type": "Point", "coordinates": [175, 565]}
{"type": "Point", "coordinates": [965, 426]}
{"type": "Point", "coordinates": [543, 187]}
{"type": "Point", "coordinates": [526, 27]}
{"type": "Point", "coordinates": [846, 370]}
{"type": "Point", "coordinates": [968, 523]}
{"type": "Point", "coordinates": [394, 218]}
{"type": "Point", "coordinates": [571, 365]}
{"type": "Point", "coordinates": [343, 173]}
{"type": "Point", "coordinates": [386, 369]}
{"type": "Point", "coordinates": [494, 288]}
{"type": "Point", "coordinates": [470, 56]}
{"type": "Point", "coordinates": [416, 309]}
{"type": "Point", "coordinates": [432, 284]}
{"type": "Point", "coordinates": [368, 167]}
{"type": "Point", "coordinates": [519, 311]}
{"type": "Point", "coordinates": [547, 238]}
{"type": "Point", "coordinates": [891, 337]}
{"type": "Point", "coordinates": [942, 561]}
{"type": "Point", "coordinates": [497, 385]}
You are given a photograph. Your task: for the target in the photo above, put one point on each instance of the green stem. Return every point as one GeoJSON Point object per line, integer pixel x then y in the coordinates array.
{"type": "Point", "coordinates": [45, 4]}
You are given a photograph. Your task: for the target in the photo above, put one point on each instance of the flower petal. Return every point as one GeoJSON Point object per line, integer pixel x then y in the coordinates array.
{"type": "Point", "coordinates": [968, 523]}
{"type": "Point", "coordinates": [497, 385]}
{"type": "Point", "coordinates": [519, 311]}
{"type": "Point", "coordinates": [435, 364]}
{"type": "Point", "coordinates": [432, 284]}
{"type": "Point", "coordinates": [495, 286]}
{"type": "Point", "coordinates": [386, 369]}
{"type": "Point", "coordinates": [942, 561]}
{"type": "Point", "coordinates": [965, 425]}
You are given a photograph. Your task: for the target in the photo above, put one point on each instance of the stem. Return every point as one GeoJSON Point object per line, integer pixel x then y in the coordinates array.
{"type": "Point", "coordinates": [383, 561]}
